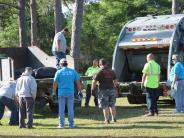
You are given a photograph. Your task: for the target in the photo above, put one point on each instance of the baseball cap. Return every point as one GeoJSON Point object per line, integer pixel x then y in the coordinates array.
{"type": "Point", "coordinates": [63, 60]}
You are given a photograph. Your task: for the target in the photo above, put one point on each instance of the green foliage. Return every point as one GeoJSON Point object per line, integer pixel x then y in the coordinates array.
{"type": "Point", "coordinates": [9, 36]}
{"type": "Point", "coordinates": [102, 23]}
{"type": "Point", "coordinates": [46, 30]}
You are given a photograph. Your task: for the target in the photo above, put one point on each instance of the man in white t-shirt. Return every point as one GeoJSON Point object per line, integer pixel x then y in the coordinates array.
{"type": "Point", "coordinates": [59, 46]}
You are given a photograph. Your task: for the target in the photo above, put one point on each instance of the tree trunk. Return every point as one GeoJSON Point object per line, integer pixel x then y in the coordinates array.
{"type": "Point", "coordinates": [58, 16]}
{"type": "Point", "coordinates": [76, 30]}
{"type": "Point", "coordinates": [22, 23]}
{"type": "Point", "coordinates": [33, 14]}
{"type": "Point", "coordinates": [175, 7]}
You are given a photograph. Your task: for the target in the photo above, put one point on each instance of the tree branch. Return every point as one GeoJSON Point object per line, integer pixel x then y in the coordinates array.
{"type": "Point", "coordinates": [66, 4]}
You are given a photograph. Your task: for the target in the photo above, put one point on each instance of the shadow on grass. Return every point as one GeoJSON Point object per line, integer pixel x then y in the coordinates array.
{"type": "Point", "coordinates": [3, 136]}
{"type": "Point", "coordinates": [94, 113]}
{"type": "Point", "coordinates": [123, 112]}
{"type": "Point", "coordinates": [158, 122]}
{"type": "Point", "coordinates": [44, 112]}
{"type": "Point", "coordinates": [122, 127]}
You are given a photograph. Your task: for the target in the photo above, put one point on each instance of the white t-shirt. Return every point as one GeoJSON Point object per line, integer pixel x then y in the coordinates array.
{"type": "Point", "coordinates": [61, 37]}
{"type": "Point", "coordinates": [8, 90]}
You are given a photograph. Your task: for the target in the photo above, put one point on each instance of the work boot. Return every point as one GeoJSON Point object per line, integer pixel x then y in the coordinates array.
{"type": "Point", "coordinates": [156, 114]}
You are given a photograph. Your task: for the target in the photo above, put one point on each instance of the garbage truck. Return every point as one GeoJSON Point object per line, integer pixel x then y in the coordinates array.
{"type": "Point", "coordinates": [161, 35]}
{"type": "Point", "coordinates": [13, 61]}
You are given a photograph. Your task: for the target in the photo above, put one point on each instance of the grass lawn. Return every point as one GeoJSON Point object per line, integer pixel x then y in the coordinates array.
{"type": "Point", "coordinates": [131, 123]}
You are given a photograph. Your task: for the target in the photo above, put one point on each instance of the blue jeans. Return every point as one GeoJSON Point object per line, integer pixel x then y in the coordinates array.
{"type": "Point", "coordinates": [88, 95]}
{"type": "Point", "coordinates": [179, 95]}
{"type": "Point", "coordinates": [59, 56]}
{"type": "Point", "coordinates": [69, 101]}
{"type": "Point", "coordinates": [4, 101]}
{"type": "Point", "coordinates": [151, 99]}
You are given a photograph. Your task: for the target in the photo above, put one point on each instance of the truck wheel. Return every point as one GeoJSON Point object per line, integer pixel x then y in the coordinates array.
{"type": "Point", "coordinates": [136, 99]}
{"type": "Point", "coordinates": [141, 99]}
{"type": "Point", "coordinates": [131, 99]}
{"type": "Point", "coordinates": [135, 90]}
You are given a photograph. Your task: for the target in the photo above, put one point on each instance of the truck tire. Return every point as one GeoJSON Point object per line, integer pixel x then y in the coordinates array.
{"type": "Point", "coordinates": [136, 99]}
{"type": "Point", "coordinates": [131, 99]}
{"type": "Point", "coordinates": [45, 72]}
{"type": "Point", "coordinates": [141, 99]}
{"type": "Point", "coordinates": [135, 90]}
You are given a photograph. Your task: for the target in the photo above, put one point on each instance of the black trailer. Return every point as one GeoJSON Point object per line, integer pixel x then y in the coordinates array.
{"type": "Point", "coordinates": [13, 60]}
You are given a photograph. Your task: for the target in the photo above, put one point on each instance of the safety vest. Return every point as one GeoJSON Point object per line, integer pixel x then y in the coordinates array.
{"type": "Point", "coordinates": [152, 71]}
{"type": "Point", "coordinates": [90, 72]}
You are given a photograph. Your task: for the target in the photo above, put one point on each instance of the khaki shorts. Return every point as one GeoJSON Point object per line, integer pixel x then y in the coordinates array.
{"type": "Point", "coordinates": [107, 98]}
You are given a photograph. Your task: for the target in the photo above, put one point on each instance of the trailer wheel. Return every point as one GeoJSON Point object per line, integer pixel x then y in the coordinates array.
{"type": "Point", "coordinates": [41, 102]}
{"type": "Point", "coordinates": [53, 107]}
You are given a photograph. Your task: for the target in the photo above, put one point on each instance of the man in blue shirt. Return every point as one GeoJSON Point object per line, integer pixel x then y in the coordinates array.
{"type": "Point", "coordinates": [177, 79]}
{"type": "Point", "coordinates": [64, 80]}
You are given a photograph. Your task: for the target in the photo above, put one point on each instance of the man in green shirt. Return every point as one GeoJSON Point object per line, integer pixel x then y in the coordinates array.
{"type": "Point", "coordinates": [150, 80]}
{"type": "Point", "coordinates": [90, 72]}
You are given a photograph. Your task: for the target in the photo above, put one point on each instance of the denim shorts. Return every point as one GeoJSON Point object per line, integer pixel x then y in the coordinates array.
{"type": "Point", "coordinates": [107, 98]}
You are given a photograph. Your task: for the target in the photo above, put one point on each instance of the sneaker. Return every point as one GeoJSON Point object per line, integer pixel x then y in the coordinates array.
{"type": "Point", "coordinates": [107, 122]}
{"type": "Point", "coordinates": [22, 126]}
{"type": "Point", "coordinates": [114, 120]}
{"type": "Point", "coordinates": [71, 127]}
{"type": "Point", "coordinates": [149, 114]}
{"type": "Point", "coordinates": [29, 127]}
{"type": "Point", "coordinates": [60, 127]}
{"type": "Point", "coordinates": [156, 114]}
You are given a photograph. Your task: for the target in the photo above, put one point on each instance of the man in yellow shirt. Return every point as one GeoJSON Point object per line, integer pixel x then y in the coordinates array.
{"type": "Point", "coordinates": [150, 80]}
{"type": "Point", "coordinates": [90, 72]}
